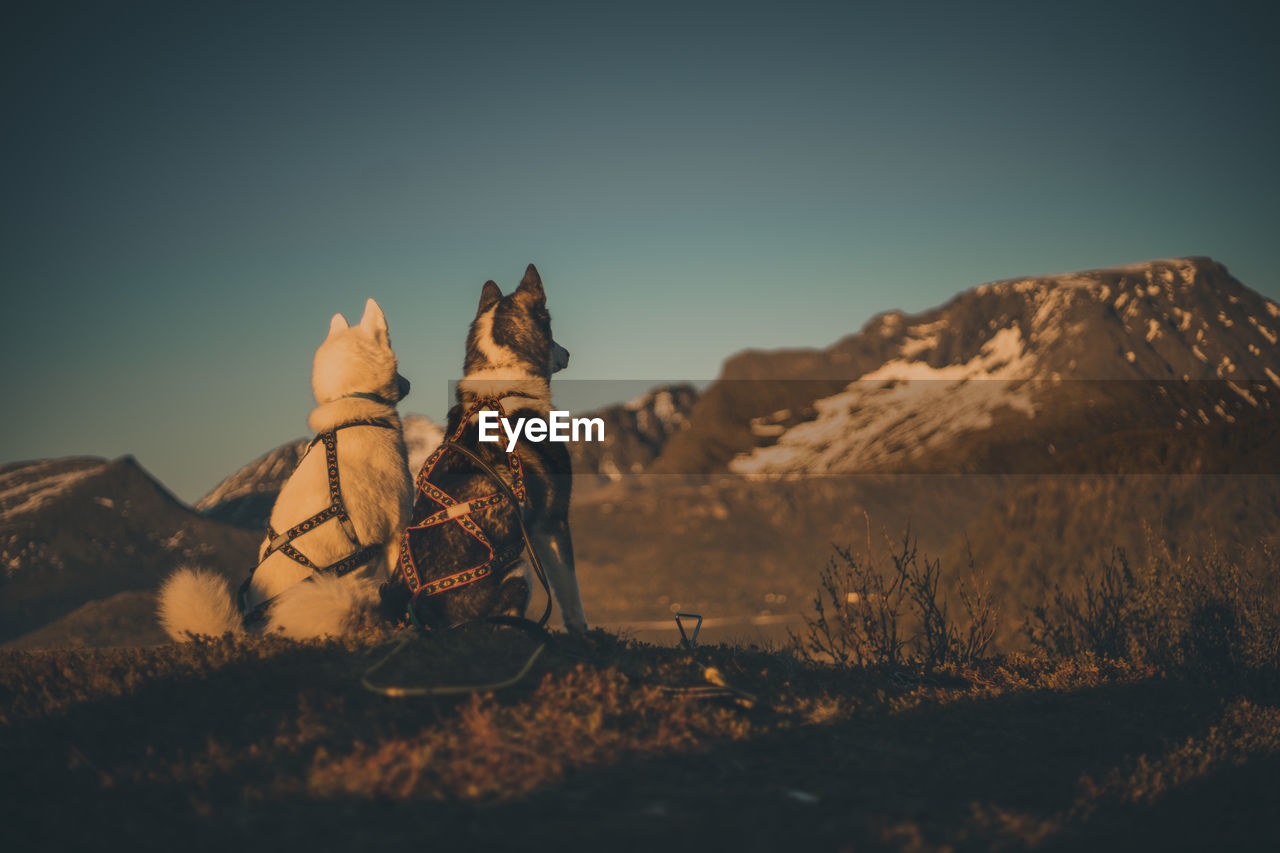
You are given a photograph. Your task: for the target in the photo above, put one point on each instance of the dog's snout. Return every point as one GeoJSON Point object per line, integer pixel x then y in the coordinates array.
{"type": "Point", "coordinates": [402, 385]}
{"type": "Point", "coordinates": [559, 357]}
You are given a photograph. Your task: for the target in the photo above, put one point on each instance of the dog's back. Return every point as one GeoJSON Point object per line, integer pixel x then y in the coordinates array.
{"type": "Point", "coordinates": [356, 384]}
{"type": "Point", "coordinates": [510, 358]}
{"type": "Point", "coordinates": [375, 491]}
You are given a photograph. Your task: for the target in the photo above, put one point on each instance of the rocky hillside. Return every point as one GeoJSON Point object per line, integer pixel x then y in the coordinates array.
{"type": "Point", "coordinates": [76, 530]}
{"type": "Point", "coordinates": [635, 434]}
{"type": "Point", "coordinates": [1028, 360]}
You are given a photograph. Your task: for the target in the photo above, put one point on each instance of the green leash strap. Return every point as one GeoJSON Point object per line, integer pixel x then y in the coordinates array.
{"type": "Point", "coordinates": [399, 691]}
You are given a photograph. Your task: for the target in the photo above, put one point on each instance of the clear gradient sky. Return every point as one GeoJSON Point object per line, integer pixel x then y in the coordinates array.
{"type": "Point", "coordinates": [188, 191]}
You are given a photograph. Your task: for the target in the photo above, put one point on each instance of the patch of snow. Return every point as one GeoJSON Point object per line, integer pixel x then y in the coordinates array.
{"type": "Point", "coordinates": [664, 407]}
{"type": "Point", "coordinates": [1271, 374]}
{"type": "Point", "coordinates": [1273, 309]}
{"type": "Point", "coordinates": [1045, 326]}
{"type": "Point", "coordinates": [1001, 357]}
{"type": "Point", "coordinates": [1195, 350]}
{"type": "Point", "coordinates": [761, 428]}
{"type": "Point", "coordinates": [1243, 392]}
{"type": "Point", "coordinates": [889, 324]}
{"type": "Point", "coordinates": [901, 410]}
{"type": "Point", "coordinates": [927, 328]}
{"type": "Point", "coordinates": [1153, 329]}
{"type": "Point", "coordinates": [1266, 333]}
{"type": "Point", "coordinates": [913, 347]}
{"type": "Point", "coordinates": [922, 337]}
{"type": "Point", "coordinates": [1130, 357]}
{"type": "Point", "coordinates": [661, 405]}
{"type": "Point", "coordinates": [28, 488]}
{"type": "Point", "coordinates": [1224, 319]}
{"type": "Point", "coordinates": [1225, 366]}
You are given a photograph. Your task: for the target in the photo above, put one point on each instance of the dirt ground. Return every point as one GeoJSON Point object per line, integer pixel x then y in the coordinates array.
{"type": "Point", "coordinates": [265, 744]}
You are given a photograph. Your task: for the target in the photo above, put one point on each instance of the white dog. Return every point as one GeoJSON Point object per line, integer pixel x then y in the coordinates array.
{"type": "Point", "coordinates": [336, 526]}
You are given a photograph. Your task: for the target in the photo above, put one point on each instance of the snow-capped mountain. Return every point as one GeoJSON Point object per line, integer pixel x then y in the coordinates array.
{"type": "Point", "coordinates": [245, 498]}
{"type": "Point", "coordinates": [635, 432]}
{"type": "Point", "coordinates": [1037, 365]}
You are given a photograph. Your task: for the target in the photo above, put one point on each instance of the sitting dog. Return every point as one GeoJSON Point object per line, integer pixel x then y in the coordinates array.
{"type": "Point", "coordinates": [462, 557]}
{"type": "Point", "coordinates": [335, 528]}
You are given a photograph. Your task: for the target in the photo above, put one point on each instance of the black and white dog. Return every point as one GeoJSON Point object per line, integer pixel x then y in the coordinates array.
{"type": "Point", "coordinates": [462, 556]}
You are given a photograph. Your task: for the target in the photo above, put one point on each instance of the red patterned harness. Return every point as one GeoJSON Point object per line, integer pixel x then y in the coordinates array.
{"type": "Point", "coordinates": [452, 510]}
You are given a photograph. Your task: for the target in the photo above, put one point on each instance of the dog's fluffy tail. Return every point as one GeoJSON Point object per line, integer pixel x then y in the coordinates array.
{"type": "Point", "coordinates": [197, 601]}
{"type": "Point", "coordinates": [323, 606]}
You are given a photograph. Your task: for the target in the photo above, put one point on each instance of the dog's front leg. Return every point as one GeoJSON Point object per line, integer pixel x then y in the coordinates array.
{"type": "Point", "coordinates": [555, 551]}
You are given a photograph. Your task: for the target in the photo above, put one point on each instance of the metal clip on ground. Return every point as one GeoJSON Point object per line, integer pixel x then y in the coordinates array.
{"type": "Point", "coordinates": [685, 639]}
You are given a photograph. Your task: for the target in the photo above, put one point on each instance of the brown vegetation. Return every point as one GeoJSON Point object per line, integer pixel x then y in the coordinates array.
{"type": "Point", "coordinates": [915, 740]}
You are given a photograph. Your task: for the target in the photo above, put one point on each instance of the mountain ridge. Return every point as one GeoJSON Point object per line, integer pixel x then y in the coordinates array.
{"type": "Point", "coordinates": [80, 529]}
{"type": "Point", "coordinates": [953, 424]}
{"type": "Point", "coordinates": [1140, 322]}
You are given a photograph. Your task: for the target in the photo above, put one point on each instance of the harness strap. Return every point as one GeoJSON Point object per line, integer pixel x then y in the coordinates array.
{"type": "Point", "coordinates": [538, 570]}
{"type": "Point", "coordinates": [337, 509]}
{"type": "Point", "coordinates": [460, 512]}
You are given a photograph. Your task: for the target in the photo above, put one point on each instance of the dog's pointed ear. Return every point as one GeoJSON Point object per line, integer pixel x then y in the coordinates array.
{"type": "Point", "coordinates": [489, 296]}
{"type": "Point", "coordinates": [337, 324]}
{"type": "Point", "coordinates": [531, 285]}
{"type": "Point", "coordinates": [374, 320]}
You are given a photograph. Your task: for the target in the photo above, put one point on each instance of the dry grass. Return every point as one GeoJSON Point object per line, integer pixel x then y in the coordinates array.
{"type": "Point", "coordinates": [266, 744]}
{"type": "Point", "coordinates": [866, 616]}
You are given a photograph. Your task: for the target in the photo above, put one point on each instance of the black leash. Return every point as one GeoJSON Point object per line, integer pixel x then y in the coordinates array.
{"type": "Point", "coordinates": [402, 691]}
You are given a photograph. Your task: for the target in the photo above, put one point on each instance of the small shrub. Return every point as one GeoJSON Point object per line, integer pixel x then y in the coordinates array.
{"type": "Point", "coordinates": [863, 617]}
{"type": "Point", "coordinates": [1210, 614]}
{"type": "Point", "coordinates": [1099, 619]}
